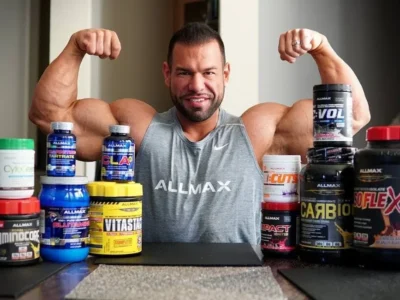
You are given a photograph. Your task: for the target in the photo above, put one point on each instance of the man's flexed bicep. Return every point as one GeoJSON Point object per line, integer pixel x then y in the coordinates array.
{"type": "Point", "coordinates": [55, 96]}
{"type": "Point", "coordinates": [294, 132]}
{"type": "Point", "coordinates": [278, 129]}
{"type": "Point", "coordinates": [92, 118]}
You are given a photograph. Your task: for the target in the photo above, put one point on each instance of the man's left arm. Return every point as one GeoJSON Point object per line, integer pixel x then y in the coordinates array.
{"type": "Point", "coordinates": [332, 69]}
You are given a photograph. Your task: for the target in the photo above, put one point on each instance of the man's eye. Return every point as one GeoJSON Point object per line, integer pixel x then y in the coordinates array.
{"type": "Point", "coordinates": [183, 73]}
{"type": "Point", "coordinates": [209, 73]}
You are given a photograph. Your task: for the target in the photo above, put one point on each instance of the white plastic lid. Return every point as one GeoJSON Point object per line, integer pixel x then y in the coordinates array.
{"type": "Point", "coordinates": [124, 129]}
{"type": "Point", "coordinates": [282, 198]}
{"type": "Point", "coordinates": [282, 158]}
{"type": "Point", "coordinates": [76, 180]}
{"type": "Point", "coordinates": [62, 125]}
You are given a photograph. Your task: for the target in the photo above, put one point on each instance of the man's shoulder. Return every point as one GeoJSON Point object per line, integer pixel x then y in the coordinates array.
{"type": "Point", "coordinates": [229, 119]}
{"type": "Point", "coordinates": [165, 117]}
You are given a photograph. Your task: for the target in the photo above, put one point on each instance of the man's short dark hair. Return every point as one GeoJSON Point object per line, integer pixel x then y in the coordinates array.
{"type": "Point", "coordinates": [195, 33]}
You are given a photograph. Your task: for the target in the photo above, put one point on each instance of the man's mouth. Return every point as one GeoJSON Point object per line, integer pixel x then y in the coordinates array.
{"type": "Point", "coordinates": [197, 99]}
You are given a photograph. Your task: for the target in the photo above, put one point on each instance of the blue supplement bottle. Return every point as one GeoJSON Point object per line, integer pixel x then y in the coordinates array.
{"type": "Point", "coordinates": [64, 219]}
{"type": "Point", "coordinates": [118, 155]}
{"type": "Point", "coordinates": [61, 150]}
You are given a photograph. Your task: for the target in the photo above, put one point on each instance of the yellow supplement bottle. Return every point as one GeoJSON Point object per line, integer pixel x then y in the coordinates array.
{"type": "Point", "coordinates": [115, 218]}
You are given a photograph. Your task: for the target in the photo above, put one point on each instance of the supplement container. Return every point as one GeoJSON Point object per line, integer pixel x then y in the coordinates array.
{"type": "Point", "coordinates": [377, 199]}
{"type": "Point", "coordinates": [115, 218]}
{"type": "Point", "coordinates": [281, 177]}
{"type": "Point", "coordinates": [333, 115]}
{"type": "Point", "coordinates": [61, 150]}
{"type": "Point", "coordinates": [17, 168]}
{"type": "Point", "coordinates": [326, 206]}
{"type": "Point", "coordinates": [19, 232]}
{"type": "Point", "coordinates": [118, 155]}
{"type": "Point", "coordinates": [64, 218]}
{"type": "Point", "coordinates": [279, 230]}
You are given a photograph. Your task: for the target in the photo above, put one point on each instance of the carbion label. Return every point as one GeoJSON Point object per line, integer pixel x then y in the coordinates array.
{"type": "Point", "coordinates": [326, 216]}
{"type": "Point", "coordinates": [281, 176]}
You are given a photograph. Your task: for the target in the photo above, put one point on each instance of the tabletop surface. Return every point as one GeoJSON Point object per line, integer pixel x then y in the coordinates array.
{"type": "Point", "coordinates": [60, 284]}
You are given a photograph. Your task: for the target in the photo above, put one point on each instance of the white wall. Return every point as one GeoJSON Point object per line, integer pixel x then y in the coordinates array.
{"type": "Point", "coordinates": [359, 30]}
{"type": "Point", "coordinates": [239, 29]}
{"type": "Point", "coordinates": [144, 28]}
{"type": "Point", "coordinates": [15, 68]}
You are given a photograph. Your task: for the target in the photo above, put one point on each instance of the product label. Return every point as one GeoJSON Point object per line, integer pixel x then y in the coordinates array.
{"type": "Point", "coordinates": [64, 228]}
{"type": "Point", "coordinates": [17, 169]}
{"type": "Point", "coordinates": [332, 117]}
{"type": "Point", "coordinates": [279, 231]}
{"type": "Point", "coordinates": [281, 179]}
{"type": "Point", "coordinates": [326, 216]}
{"type": "Point", "coordinates": [19, 240]}
{"type": "Point", "coordinates": [115, 227]}
{"type": "Point", "coordinates": [118, 160]}
{"type": "Point", "coordinates": [61, 155]}
{"type": "Point", "coordinates": [377, 207]}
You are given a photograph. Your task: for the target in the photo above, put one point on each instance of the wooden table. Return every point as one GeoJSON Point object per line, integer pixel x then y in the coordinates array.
{"type": "Point", "coordinates": [60, 284]}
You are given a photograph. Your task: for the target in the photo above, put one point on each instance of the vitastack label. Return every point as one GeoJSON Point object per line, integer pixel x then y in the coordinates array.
{"type": "Point", "coordinates": [377, 207]}
{"type": "Point", "coordinates": [19, 240]}
{"type": "Point", "coordinates": [65, 228]}
{"type": "Point", "coordinates": [326, 216]}
{"type": "Point", "coordinates": [332, 117]}
{"type": "Point", "coordinates": [115, 227]}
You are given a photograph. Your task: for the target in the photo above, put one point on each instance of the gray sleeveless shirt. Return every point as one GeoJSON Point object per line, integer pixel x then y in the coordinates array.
{"type": "Point", "coordinates": [208, 191]}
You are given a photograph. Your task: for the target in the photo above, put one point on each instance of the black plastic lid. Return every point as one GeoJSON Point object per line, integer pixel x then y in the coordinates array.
{"type": "Point", "coordinates": [332, 88]}
{"type": "Point", "coordinates": [331, 155]}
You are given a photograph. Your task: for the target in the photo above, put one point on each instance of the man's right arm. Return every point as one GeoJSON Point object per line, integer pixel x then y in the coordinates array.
{"type": "Point", "coordinates": [55, 96]}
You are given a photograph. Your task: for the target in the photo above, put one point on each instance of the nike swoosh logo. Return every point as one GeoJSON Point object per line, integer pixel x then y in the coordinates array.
{"type": "Point", "coordinates": [220, 147]}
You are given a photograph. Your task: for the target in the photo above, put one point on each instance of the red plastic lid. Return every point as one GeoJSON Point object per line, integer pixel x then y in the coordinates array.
{"type": "Point", "coordinates": [383, 133]}
{"type": "Point", "coordinates": [26, 206]}
{"type": "Point", "coordinates": [281, 205]}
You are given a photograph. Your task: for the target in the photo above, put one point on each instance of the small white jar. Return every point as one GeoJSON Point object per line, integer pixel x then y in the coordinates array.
{"type": "Point", "coordinates": [281, 177]}
{"type": "Point", "coordinates": [17, 168]}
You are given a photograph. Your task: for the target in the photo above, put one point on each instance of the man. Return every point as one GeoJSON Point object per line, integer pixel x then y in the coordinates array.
{"type": "Point", "coordinates": [199, 166]}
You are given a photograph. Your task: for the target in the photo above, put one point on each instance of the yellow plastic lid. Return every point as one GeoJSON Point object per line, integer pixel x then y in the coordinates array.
{"type": "Point", "coordinates": [114, 189]}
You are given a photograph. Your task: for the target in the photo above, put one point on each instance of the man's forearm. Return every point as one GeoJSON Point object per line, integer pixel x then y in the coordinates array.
{"type": "Point", "coordinates": [56, 90]}
{"type": "Point", "coordinates": [333, 69]}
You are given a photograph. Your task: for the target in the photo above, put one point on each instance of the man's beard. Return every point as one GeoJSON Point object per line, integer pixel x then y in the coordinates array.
{"type": "Point", "coordinates": [196, 115]}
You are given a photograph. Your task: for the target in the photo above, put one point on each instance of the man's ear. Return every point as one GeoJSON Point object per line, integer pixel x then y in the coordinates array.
{"type": "Point", "coordinates": [227, 72]}
{"type": "Point", "coordinates": [167, 73]}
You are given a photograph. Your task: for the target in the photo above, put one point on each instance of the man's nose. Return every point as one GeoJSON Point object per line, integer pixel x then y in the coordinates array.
{"type": "Point", "coordinates": [196, 83]}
